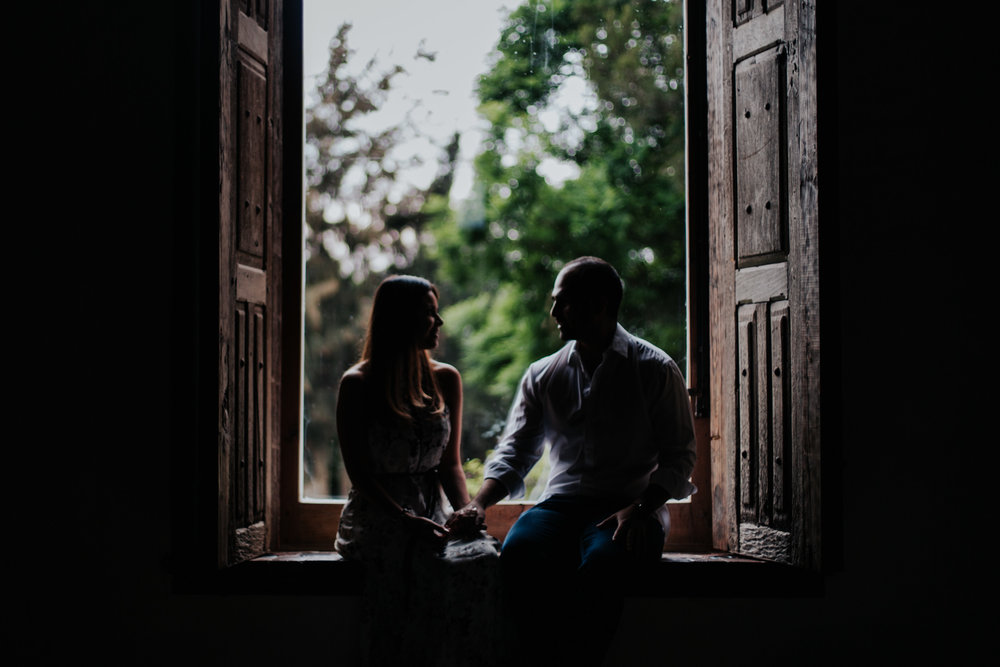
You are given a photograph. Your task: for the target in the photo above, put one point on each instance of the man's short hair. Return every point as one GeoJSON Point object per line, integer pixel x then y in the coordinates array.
{"type": "Point", "coordinates": [597, 276]}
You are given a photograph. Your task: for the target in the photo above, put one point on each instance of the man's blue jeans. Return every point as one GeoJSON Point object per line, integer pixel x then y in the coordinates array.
{"type": "Point", "coordinates": [565, 580]}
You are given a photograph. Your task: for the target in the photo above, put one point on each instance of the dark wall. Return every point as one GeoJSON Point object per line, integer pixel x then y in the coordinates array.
{"type": "Point", "coordinates": [120, 201]}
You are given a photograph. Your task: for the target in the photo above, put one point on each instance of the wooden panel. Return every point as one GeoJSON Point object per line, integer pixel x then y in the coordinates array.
{"type": "Point", "coordinates": [259, 420]}
{"type": "Point", "coordinates": [762, 340]}
{"type": "Point", "coordinates": [762, 413]}
{"type": "Point", "coordinates": [251, 285]}
{"type": "Point", "coordinates": [251, 114]}
{"type": "Point", "coordinates": [764, 31]}
{"type": "Point", "coordinates": [253, 38]}
{"type": "Point", "coordinates": [760, 154]}
{"type": "Point", "coordinates": [748, 410]}
{"type": "Point", "coordinates": [237, 463]}
{"type": "Point", "coordinates": [258, 11]}
{"type": "Point", "coordinates": [761, 420]}
{"type": "Point", "coordinates": [247, 463]}
{"type": "Point", "coordinates": [779, 454]}
{"type": "Point", "coordinates": [744, 10]}
{"type": "Point", "coordinates": [759, 284]}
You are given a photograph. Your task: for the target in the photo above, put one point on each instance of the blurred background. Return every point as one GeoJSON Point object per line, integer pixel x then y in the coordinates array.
{"type": "Point", "coordinates": [482, 145]}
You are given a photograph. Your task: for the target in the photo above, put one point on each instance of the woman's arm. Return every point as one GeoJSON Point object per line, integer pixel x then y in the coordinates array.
{"type": "Point", "coordinates": [450, 470]}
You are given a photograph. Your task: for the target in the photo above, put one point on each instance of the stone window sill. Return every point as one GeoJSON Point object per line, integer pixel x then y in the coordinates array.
{"type": "Point", "coordinates": [712, 574]}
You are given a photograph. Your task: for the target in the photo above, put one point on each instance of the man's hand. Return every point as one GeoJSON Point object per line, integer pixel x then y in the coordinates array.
{"type": "Point", "coordinates": [472, 518]}
{"type": "Point", "coordinates": [631, 528]}
{"type": "Point", "coordinates": [467, 521]}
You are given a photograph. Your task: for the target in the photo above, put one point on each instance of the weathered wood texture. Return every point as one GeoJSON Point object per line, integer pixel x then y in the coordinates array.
{"type": "Point", "coordinates": [760, 136]}
{"type": "Point", "coordinates": [764, 304]}
{"type": "Point", "coordinates": [763, 441]}
{"type": "Point", "coordinates": [250, 273]}
{"type": "Point", "coordinates": [722, 346]}
{"type": "Point", "coordinates": [804, 309]}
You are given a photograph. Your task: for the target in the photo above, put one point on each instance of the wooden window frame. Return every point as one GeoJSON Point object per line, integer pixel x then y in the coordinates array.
{"type": "Point", "coordinates": [301, 532]}
{"type": "Point", "coordinates": [311, 525]}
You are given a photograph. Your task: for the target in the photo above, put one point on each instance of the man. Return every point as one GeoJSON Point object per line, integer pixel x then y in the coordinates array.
{"type": "Point", "coordinates": [615, 413]}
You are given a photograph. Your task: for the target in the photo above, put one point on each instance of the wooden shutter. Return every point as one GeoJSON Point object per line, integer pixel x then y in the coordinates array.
{"type": "Point", "coordinates": [764, 290]}
{"type": "Point", "coordinates": [249, 261]}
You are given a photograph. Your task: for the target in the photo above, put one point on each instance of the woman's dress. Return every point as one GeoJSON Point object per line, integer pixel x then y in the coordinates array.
{"type": "Point", "coordinates": [422, 605]}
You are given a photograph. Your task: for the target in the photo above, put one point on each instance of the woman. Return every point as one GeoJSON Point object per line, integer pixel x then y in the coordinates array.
{"type": "Point", "coordinates": [399, 416]}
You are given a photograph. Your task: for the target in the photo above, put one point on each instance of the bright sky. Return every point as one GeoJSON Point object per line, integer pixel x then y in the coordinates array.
{"type": "Point", "coordinates": [460, 32]}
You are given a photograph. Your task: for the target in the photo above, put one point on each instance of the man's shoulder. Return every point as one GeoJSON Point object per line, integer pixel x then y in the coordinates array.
{"type": "Point", "coordinates": [543, 367]}
{"type": "Point", "coordinates": [653, 366]}
{"type": "Point", "coordinates": [644, 352]}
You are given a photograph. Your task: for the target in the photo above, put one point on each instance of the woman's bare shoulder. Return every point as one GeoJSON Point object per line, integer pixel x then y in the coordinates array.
{"type": "Point", "coordinates": [355, 376]}
{"type": "Point", "coordinates": [445, 372]}
{"type": "Point", "coordinates": [448, 379]}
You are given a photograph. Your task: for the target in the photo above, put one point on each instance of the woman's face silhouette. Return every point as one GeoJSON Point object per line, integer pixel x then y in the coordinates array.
{"type": "Point", "coordinates": [429, 323]}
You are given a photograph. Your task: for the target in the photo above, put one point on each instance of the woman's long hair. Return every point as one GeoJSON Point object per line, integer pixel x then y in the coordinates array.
{"type": "Point", "coordinates": [397, 365]}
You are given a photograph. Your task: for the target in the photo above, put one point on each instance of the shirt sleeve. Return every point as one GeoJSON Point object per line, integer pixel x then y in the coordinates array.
{"type": "Point", "coordinates": [523, 440]}
{"type": "Point", "coordinates": [673, 429]}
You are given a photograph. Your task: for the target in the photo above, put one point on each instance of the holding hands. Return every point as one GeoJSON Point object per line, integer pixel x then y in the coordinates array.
{"type": "Point", "coordinates": [467, 521]}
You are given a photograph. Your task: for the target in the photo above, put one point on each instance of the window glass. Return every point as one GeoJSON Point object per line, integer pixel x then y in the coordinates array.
{"type": "Point", "coordinates": [481, 145]}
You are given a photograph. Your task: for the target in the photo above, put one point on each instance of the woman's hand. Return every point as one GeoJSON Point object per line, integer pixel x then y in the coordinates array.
{"type": "Point", "coordinates": [467, 521]}
{"type": "Point", "coordinates": [427, 530]}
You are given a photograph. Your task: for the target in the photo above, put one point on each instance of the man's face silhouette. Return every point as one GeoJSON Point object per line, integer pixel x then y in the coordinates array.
{"type": "Point", "coordinates": [574, 310]}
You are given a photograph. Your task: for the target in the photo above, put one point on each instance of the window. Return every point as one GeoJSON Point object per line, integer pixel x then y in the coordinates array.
{"type": "Point", "coordinates": [752, 303]}
{"type": "Point", "coordinates": [351, 230]}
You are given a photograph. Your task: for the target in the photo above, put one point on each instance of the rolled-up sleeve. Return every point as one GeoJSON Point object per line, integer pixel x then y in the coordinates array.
{"type": "Point", "coordinates": [673, 430]}
{"type": "Point", "coordinates": [523, 440]}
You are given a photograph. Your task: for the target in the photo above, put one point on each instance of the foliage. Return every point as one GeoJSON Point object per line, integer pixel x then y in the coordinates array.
{"type": "Point", "coordinates": [592, 88]}
{"type": "Point", "coordinates": [584, 155]}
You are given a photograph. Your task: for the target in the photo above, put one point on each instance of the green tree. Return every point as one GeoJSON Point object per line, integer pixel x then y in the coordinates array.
{"type": "Point", "coordinates": [592, 89]}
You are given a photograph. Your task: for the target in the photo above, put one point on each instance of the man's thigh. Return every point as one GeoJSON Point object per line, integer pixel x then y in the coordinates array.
{"type": "Point", "coordinates": [544, 534]}
{"type": "Point", "coordinates": [599, 551]}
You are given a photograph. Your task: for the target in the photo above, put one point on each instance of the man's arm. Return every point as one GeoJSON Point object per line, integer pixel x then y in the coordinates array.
{"type": "Point", "coordinates": [650, 500]}
{"type": "Point", "coordinates": [490, 493]}
{"type": "Point", "coordinates": [472, 517]}
{"type": "Point", "coordinates": [673, 429]}
{"type": "Point", "coordinates": [519, 449]}
{"type": "Point", "coordinates": [522, 443]}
